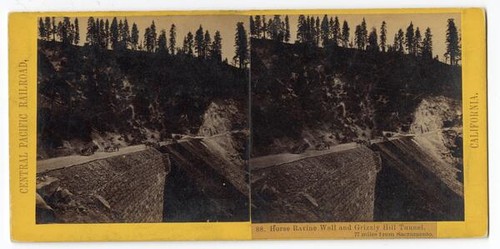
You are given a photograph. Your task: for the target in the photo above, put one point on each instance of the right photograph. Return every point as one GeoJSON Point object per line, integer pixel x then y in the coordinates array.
{"type": "Point", "coordinates": [356, 118]}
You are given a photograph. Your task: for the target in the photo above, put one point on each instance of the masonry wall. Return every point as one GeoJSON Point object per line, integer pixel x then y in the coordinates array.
{"type": "Point", "coordinates": [126, 188]}
{"type": "Point", "coordinates": [339, 186]}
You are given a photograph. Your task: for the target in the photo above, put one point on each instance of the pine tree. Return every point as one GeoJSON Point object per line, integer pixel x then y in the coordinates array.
{"type": "Point", "coordinates": [99, 30]}
{"type": "Point", "coordinates": [418, 42]}
{"type": "Point", "coordinates": [77, 32]}
{"type": "Point", "coordinates": [358, 37]}
{"type": "Point", "coordinates": [325, 31]}
{"type": "Point", "coordinates": [48, 30]}
{"type": "Point", "coordinates": [264, 27]}
{"type": "Point", "coordinates": [198, 43]}
{"type": "Point", "coordinates": [59, 32]}
{"type": "Point", "coordinates": [302, 29]}
{"type": "Point", "coordinates": [269, 28]}
{"type": "Point", "coordinates": [134, 37]}
{"type": "Point", "coordinates": [172, 37]}
{"type": "Point", "coordinates": [54, 29]}
{"type": "Point", "coordinates": [64, 30]}
{"type": "Point", "coordinates": [96, 37]}
{"type": "Point", "coordinates": [394, 46]}
{"type": "Point", "coordinates": [241, 45]}
{"type": "Point", "coordinates": [216, 51]}
{"type": "Point", "coordinates": [287, 29]}
{"type": "Point", "coordinates": [253, 32]}
{"type": "Point", "coordinates": [90, 31]}
{"type": "Point", "coordinates": [272, 29]}
{"type": "Point", "coordinates": [67, 26]}
{"type": "Point", "coordinates": [162, 42]}
{"type": "Point", "coordinates": [71, 33]}
{"type": "Point", "coordinates": [95, 33]}
{"type": "Point", "coordinates": [452, 43]}
{"type": "Point", "coordinates": [410, 39]}
{"type": "Point", "coordinates": [336, 31]}
{"type": "Point", "coordinates": [147, 40]}
{"type": "Point", "coordinates": [317, 31]}
{"type": "Point", "coordinates": [184, 48]}
{"type": "Point", "coordinates": [153, 36]}
{"type": "Point", "coordinates": [372, 41]}
{"type": "Point", "coordinates": [120, 33]}
{"type": "Point", "coordinates": [189, 43]}
{"type": "Point", "coordinates": [330, 32]}
{"type": "Point", "coordinates": [102, 34]}
{"type": "Point", "coordinates": [383, 36]}
{"type": "Point", "coordinates": [345, 34]}
{"type": "Point", "coordinates": [427, 44]}
{"type": "Point", "coordinates": [399, 42]}
{"type": "Point", "coordinates": [364, 33]}
{"type": "Point", "coordinates": [258, 26]}
{"type": "Point", "coordinates": [283, 31]}
{"type": "Point", "coordinates": [310, 29]}
{"type": "Point", "coordinates": [122, 40]}
{"type": "Point", "coordinates": [207, 43]}
{"type": "Point", "coordinates": [114, 34]}
{"type": "Point", "coordinates": [42, 32]}
{"type": "Point", "coordinates": [126, 33]}
{"type": "Point", "coordinates": [107, 37]}
{"type": "Point", "coordinates": [275, 29]}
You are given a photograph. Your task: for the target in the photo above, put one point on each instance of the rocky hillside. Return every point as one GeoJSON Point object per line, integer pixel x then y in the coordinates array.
{"type": "Point", "coordinates": [101, 97]}
{"type": "Point", "coordinates": [341, 94]}
{"type": "Point", "coordinates": [438, 121]}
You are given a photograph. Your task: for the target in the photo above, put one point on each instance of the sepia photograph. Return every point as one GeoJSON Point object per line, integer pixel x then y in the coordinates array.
{"type": "Point", "coordinates": [142, 119]}
{"type": "Point", "coordinates": [284, 118]}
{"type": "Point", "coordinates": [356, 118]}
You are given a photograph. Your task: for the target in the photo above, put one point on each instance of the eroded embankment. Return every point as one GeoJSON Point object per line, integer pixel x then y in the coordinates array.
{"type": "Point", "coordinates": [125, 188]}
{"type": "Point", "coordinates": [339, 186]}
{"type": "Point", "coordinates": [415, 183]}
{"type": "Point", "coordinates": [208, 181]}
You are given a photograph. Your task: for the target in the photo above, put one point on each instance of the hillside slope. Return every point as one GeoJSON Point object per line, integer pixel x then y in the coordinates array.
{"type": "Point", "coordinates": [122, 97]}
{"type": "Point", "coordinates": [302, 92]}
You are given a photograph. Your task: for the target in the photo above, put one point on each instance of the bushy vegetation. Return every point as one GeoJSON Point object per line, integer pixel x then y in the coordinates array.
{"type": "Point", "coordinates": [90, 89]}
{"type": "Point", "coordinates": [346, 91]}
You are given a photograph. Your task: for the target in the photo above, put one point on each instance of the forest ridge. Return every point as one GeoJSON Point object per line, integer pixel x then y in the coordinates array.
{"type": "Point", "coordinates": [330, 32]}
{"type": "Point", "coordinates": [117, 35]}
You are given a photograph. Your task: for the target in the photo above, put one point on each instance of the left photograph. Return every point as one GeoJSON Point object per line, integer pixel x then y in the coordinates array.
{"type": "Point", "coordinates": [142, 119]}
